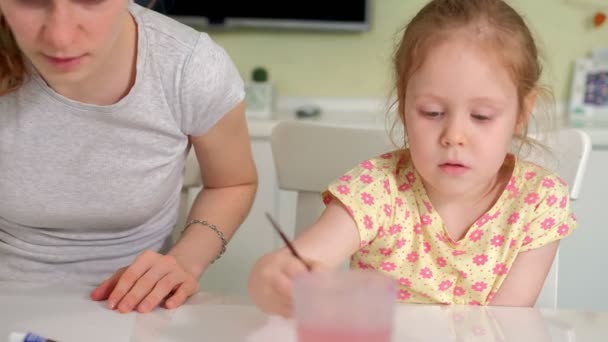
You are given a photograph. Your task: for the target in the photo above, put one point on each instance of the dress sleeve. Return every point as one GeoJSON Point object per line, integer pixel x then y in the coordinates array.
{"type": "Point", "coordinates": [553, 219]}
{"type": "Point", "coordinates": [365, 191]}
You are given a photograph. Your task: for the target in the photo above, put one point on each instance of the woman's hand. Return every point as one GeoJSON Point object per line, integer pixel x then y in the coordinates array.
{"type": "Point", "coordinates": [271, 281]}
{"type": "Point", "coordinates": [151, 279]}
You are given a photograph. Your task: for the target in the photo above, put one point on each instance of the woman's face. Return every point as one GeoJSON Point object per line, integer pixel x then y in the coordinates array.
{"type": "Point", "coordinates": [66, 40]}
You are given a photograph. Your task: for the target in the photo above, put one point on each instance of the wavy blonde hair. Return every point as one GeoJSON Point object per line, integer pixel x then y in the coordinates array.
{"type": "Point", "coordinates": [496, 25]}
{"type": "Point", "coordinates": [12, 65]}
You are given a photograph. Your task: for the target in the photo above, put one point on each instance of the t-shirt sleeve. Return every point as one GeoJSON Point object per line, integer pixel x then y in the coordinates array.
{"type": "Point", "coordinates": [553, 219]}
{"type": "Point", "coordinates": [365, 191]}
{"type": "Point", "coordinates": [210, 87]}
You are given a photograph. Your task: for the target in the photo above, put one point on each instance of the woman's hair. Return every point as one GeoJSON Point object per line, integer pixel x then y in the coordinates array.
{"type": "Point", "coordinates": [494, 24]}
{"type": "Point", "coordinates": [12, 64]}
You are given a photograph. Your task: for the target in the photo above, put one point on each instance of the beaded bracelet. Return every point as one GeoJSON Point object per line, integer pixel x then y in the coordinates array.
{"type": "Point", "coordinates": [217, 231]}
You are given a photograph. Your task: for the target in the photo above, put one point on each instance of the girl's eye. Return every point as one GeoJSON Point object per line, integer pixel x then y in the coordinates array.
{"type": "Point", "coordinates": [432, 114]}
{"type": "Point", "coordinates": [480, 117]}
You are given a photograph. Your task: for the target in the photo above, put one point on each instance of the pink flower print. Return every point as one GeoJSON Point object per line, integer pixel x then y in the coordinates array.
{"type": "Point", "coordinates": [512, 243]}
{"type": "Point", "coordinates": [366, 179]}
{"type": "Point", "coordinates": [411, 178]}
{"type": "Point", "coordinates": [388, 266]}
{"type": "Point", "coordinates": [463, 274]}
{"type": "Point", "coordinates": [346, 178]}
{"type": "Point", "coordinates": [529, 175]}
{"type": "Point", "coordinates": [403, 295]}
{"type": "Point", "coordinates": [367, 165]}
{"type": "Point", "coordinates": [458, 291]}
{"type": "Point", "coordinates": [364, 266]}
{"type": "Point", "coordinates": [561, 181]}
{"type": "Point", "coordinates": [441, 237]}
{"type": "Point", "coordinates": [428, 206]}
{"type": "Point", "coordinates": [480, 259]}
{"type": "Point", "coordinates": [426, 273]}
{"type": "Point", "coordinates": [398, 202]}
{"type": "Point", "coordinates": [407, 214]}
{"type": "Point", "coordinates": [364, 250]}
{"type": "Point", "coordinates": [367, 198]}
{"type": "Point", "coordinates": [551, 200]}
{"type": "Point", "coordinates": [400, 243]}
{"type": "Point", "coordinates": [527, 240]}
{"type": "Point", "coordinates": [500, 269]}
{"type": "Point", "coordinates": [474, 302]}
{"type": "Point", "coordinates": [531, 198]}
{"type": "Point", "coordinates": [381, 232]}
{"type": "Point", "coordinates": [412, 257]}
{"type": "Point", "coordinates": [563, 229]}
{"type": "Point", "coordinates": [562, 203]}
{"type": "Point", "coordinates": [445, 285]}
{"type": "Point", "coordinates": [458, 252]}
{"type": "Point", "coordinates": [427, 247]}
{"type": "Point", "coordinates": [490, 296]}
{"type": "Point", "coordinates": [367, 221]}
{"type": "Point", "coordinates": [387, 186]}
{"type": "Point", "coordinates": [387, 155]}
{"type": "Point", "coordinates": [441, 262]}
{"type": "Point", "coordinates": [404, 187]}
{"type": "Point", "coordinates": [573, 217]}
{"type": "Point", "coordinates": [418, 228]}
{"type": "Point", "coordinates": [483, 220]}
{"type": "Point", "coordinates": [479, 286]}
{"type": "Point", "coordinates": [343, 189]}
{"type": "Point", "coordinates": [426, 220]}
{"type": "Point", "coordinates": [395, 229]}
{"type": "Point", "coordinates": [387, 210]}
{"type": "Point", "coordinates": [405, 282]}
{"type": "Point", "coordinates": [547, 223]}
{"type": "Point", "coordinates": [476, 235]}
{"type": "Point", "coordinates": [548, 183]}
{"type": "Point", "coordinates": [386, 251]}
{"type": "Point", "coordinates": [497, 240]}
{"type": "Point", "coordinates": [526, 228]}
{"type": "Point", "coordinates": [513, 218]}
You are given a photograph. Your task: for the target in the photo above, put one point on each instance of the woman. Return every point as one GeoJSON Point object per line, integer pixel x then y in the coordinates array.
{"type": "Point", "coordinates": [100, 101]}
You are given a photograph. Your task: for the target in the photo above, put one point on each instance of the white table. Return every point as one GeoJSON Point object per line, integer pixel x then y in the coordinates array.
{"type": "Point", "coordinates": [66, 314]}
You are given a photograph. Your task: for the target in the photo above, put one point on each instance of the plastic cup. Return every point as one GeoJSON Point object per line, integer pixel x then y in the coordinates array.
{"type": "Point", "coordinates": [353, 306]}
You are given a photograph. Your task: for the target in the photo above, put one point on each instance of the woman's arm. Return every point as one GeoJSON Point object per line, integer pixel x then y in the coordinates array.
{"type": "Point", "coordinates": [526, 277]}
{"type": "Point", "coordinates": [229, 186]}
{"type": "Point", "coordinates": [230, 182]}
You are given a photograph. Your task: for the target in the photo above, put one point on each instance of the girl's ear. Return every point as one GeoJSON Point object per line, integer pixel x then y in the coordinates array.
{"type": "Point", "coordinates": [526, 112]}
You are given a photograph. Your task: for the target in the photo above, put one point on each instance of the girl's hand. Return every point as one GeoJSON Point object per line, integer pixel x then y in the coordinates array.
{"type": "Point", "coordinates": [143, 285]}
{"type": "Point", "coordinates": [271, 281]}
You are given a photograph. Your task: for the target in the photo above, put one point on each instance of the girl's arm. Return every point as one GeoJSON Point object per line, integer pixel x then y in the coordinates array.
{"type": "Point", "coordinates": [526, 277]}
{"type": "Point", "coordinates": [325, 245]}
{"type": "Point", "coordinates": [230, 182]}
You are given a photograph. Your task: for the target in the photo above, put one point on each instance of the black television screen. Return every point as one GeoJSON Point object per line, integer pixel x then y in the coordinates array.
{"type": "Point", "coordinates": [312, 14]}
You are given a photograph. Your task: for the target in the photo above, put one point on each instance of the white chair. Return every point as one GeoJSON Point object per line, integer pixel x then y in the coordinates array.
{"type": "Point", "coordinates": [308, 156]}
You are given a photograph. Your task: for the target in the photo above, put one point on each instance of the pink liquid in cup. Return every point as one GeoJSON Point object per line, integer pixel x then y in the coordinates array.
{"type": "Point", "coordinates": [354, 306]}
{"type": "Point", "coordinates": [307, 334]}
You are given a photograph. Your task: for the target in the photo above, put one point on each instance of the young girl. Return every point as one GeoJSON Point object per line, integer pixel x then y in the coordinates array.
{"type": "Point", "coordinates": [454, 217]}
{"type": "Point", "coordinates": [100, 102]}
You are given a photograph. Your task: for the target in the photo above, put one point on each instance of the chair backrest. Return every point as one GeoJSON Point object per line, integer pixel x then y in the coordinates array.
{"type": "Point", "coordinates": [308, 156]}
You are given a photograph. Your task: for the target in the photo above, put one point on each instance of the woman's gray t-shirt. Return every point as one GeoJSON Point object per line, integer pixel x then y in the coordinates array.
{"type": "Point", "coordinates": [83, 188]}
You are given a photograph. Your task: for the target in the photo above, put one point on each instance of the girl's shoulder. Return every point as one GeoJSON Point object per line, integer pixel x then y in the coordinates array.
{"type": "Point", "coordinates": [535, 178]}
